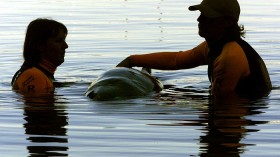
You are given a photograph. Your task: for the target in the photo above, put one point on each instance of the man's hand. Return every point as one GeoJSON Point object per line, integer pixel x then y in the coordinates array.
{"type": "Point", "coordinates": [125, 63]}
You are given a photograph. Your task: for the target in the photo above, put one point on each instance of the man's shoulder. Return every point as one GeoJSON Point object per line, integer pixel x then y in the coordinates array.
{"type": "Point", "coordinates": [233, 50]}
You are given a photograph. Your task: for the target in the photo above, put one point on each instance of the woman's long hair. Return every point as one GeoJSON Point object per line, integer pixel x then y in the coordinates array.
{"type": "Point", "coordinates": [235, 31]}
{"type": "Point", "coordinates": [38, 32]}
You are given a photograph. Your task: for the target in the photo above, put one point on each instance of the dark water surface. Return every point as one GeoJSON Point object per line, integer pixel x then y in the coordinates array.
{"type": "Point", "coordinates": [179, 121]}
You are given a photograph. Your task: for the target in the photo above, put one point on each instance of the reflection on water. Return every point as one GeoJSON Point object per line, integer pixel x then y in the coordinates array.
{"type": "Point", "coordinates": [227, 126]}
{"type": "Point", "coordinates": [224, 123]}
{"type": "Point", "coordinates": [45, 125]}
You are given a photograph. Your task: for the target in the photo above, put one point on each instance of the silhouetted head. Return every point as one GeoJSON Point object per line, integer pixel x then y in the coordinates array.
{"type": "Point", "coordinates": [38, 32]}
{"type": "Point", "coordinates": [219, 19]}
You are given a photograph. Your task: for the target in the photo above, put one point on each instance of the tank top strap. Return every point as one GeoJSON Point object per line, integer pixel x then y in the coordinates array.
{"type": "Point", "coordinates": [259, 81]}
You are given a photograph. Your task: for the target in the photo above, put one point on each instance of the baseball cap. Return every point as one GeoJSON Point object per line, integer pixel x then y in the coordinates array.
{"type": "Point", "coordinates": [218, 8]}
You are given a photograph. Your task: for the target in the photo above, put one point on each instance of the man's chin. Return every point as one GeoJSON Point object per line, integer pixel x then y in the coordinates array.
{"type": "Point", "coordinates": [58, 63]}
{"type": "Point", "coordinates": [201, 34]}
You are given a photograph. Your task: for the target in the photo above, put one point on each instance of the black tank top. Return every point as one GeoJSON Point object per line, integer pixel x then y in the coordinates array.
{"type": "Point", "coordinates": [258, 83]}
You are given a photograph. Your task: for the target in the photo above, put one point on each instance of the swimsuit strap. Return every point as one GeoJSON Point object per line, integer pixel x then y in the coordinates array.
{"type": "Point", "coordinates": [46, 72]}
{"type": "Point", "coordinates": [214, 51]}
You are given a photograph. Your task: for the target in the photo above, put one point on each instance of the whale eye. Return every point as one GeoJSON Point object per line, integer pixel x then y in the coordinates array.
{"type": "Point", "coordinates": [92, 94]}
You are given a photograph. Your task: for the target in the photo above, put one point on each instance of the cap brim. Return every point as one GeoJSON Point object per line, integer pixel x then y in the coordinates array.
{"type": "Point", "coordinates": [205, 10]}
{"type": "Point", "coordinates": [193, 8]}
